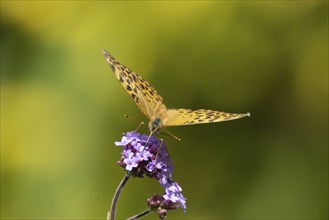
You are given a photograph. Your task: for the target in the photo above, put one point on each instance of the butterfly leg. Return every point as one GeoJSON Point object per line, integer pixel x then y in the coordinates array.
{"type": "Point", "coordinates": [170, 134]}
{"type": "Point", "coordinates": [156, 156]}
{"type": "Point", "coordinates": [140, 124]}
{"type": "Point", "coordinates": [147, 141]}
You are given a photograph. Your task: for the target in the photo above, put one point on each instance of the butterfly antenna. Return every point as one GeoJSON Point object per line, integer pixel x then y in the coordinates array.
{"type": "Point", "coordinates": [170, 134]}
{"type": "Point", "coordinates": [130, 117]}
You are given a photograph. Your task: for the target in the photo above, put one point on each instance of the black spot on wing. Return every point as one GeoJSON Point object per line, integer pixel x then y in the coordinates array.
{"type": "Point", "coordinates": [134, 97]}
{"type": "Point", "coordinates": [112, 67]}
{"type": "Point", "coordinates": [134, 77]}
{"type": "Point", "coordinates": [128, 88]}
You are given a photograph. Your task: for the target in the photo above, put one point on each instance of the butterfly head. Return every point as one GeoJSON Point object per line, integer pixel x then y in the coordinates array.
{"type": "Point", "coordinates": [155, 125]}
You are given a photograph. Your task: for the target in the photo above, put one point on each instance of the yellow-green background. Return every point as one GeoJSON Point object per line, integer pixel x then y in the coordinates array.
{"type": "Point", "coordinates": [62, 108]}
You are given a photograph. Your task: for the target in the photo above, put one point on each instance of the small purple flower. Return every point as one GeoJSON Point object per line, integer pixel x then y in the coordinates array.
{"type": "Point", "coordinates": [171, 200]}
{"type": "Point", "coordinates": [149, 156]}
{"type": "Point", "coordinates": [124, 141]}
{"type": "Point", "coordinates": [131, 162]}
{"type": "Point", "coordinates": [174, 194]}
{"type": "Point", "coordinates": [144, 156]}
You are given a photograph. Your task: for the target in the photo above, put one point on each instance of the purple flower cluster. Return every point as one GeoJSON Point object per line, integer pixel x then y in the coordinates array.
{"type": "Point", "coordinates": [144, 155]}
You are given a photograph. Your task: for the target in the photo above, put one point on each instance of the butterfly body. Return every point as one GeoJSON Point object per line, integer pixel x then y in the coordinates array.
{"type": "Point", "coordinates": [151, 103]}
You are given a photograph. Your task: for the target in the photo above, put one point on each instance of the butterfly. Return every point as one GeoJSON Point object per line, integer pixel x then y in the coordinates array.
{"type": "Point", "coordinates": [151, 103]}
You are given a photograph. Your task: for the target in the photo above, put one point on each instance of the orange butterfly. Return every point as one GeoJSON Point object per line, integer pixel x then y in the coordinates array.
{"type": "Point", "coordinates": [151, 103]}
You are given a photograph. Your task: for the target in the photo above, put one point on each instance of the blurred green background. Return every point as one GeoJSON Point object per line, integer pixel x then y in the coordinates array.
{"type": "Point", "coordinates": [62, 108]}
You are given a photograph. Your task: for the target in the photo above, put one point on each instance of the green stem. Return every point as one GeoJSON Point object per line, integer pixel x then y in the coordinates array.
{"type": "Point", "coordinates": [111, 213]}
{"type": "Point", "coordinates": [145, 212]}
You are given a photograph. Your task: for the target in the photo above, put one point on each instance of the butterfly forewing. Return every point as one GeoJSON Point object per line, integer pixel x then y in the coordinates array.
{"type": "Point", "coordinates": [143, 94]}
{"type": "Point", "coordinates": [178, 117]}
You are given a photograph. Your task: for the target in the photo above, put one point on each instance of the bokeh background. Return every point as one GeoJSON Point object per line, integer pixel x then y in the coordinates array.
{"type": "Point", "coordinates": [62, 108]}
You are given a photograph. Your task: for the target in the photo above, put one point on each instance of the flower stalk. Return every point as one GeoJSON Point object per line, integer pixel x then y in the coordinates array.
{"type": "Point", "coordinates": [111, 213]}
{"type": "Point", "coordinates": [143, 213]}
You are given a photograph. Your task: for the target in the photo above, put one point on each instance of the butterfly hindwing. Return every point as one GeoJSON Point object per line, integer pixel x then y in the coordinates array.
{"type": "Point", "coordinates": [179, 117]}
